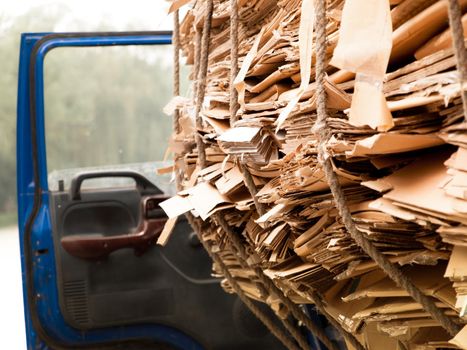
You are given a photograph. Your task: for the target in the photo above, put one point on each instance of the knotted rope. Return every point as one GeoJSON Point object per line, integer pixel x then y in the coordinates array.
{"type": "Point", "coordinates": [234, 238]}
{"type": "Point", "coordinates": [260, 314]}
{"type": "Point", "coordinates": [201, 70]}
{"type": "Point", "coordinates": [319, 304]}
{"type": "Point", "coordinates": [322, 134]}
{"type": "Point", "coordinates": [233, 101]}
{"type": "Point", "coordinates": [196, 63]}
{"type": "Point", "coordinates": [201, 81]}
{"type": "Point", "coordinates": [294, 309]}
{"type": "Point", "coordinates": [176, 76]}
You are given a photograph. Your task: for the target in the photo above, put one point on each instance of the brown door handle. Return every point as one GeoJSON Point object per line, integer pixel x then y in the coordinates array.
{"type": "Point", "coordinates": [96, 246]}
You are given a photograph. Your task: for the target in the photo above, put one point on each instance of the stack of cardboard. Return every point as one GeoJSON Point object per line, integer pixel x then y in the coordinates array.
{"type": "Point", "coordinates": [398, 145]}
{"type": "Point", "coordinates": [253, 144]}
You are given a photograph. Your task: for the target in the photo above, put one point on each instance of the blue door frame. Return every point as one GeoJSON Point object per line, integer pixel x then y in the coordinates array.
{"type": "Point", "coordinates": [45, 325]}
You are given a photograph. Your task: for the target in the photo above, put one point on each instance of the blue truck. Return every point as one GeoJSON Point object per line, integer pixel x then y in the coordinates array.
{"type": "Point", "coordinates": [92, 276]}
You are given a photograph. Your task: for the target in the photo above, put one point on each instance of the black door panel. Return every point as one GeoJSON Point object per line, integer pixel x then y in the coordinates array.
{"type": "Point", "coordinates": [98, 298]}
{"type": "Point", "coordinates": [106, 218]}
{"type": "Point", "coordinates": [169, 285]}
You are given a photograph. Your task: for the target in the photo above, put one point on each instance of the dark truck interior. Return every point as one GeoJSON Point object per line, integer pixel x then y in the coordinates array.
{"type": "Point", "coordinates": [113, 286]}
{"type": "Point", "coordinates": [111, 273]}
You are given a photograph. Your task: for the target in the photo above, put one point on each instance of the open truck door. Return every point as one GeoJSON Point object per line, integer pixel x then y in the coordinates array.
{"type": "Point", "coordinates": [93, 275]}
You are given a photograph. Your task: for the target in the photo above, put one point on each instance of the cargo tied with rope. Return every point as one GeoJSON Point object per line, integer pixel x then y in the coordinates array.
{"type": "Point", "coordinates": [322, 160]}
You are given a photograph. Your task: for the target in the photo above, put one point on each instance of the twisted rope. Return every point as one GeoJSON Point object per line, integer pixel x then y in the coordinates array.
{"type": "Point", "coordinates": [296, 333]}
{"type": "Point", "coordinates": [176, 92]}
{"type": "Point", "coordinates": [263, 317]}
{"type": "Point", "coordinates": [176, 63]}
{"type": "Point", "coordinates": [322, 134]}
{"type": "Point", "coordinates": [250, 185]}
{"type": "Point", "coordinates": [457, 32]}
{"type": "Point", "coordinates": [242, 258]}
{"type": "Point", "coordinates": [249, 182]}
{"type": "Point", "coordinates": [197, 59]}
{"type": "Point", "coordinates": [320, 307]}
{"type": "Point", "coordinates": [200, 93]}
{"type": "Point", "coordinates": [272, 288]}
{"type": "Point", "coordinates": [233, 102]}
{"type": "Point", "coordinates": [201, 81]}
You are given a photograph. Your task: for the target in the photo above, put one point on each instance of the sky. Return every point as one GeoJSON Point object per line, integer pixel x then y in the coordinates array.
{"type": "Point", "coordinates": [96, 15]}
{"type": "Point", "coordinates": [134, 14]}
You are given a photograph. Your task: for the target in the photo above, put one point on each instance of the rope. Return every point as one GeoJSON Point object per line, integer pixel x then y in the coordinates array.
{"type": "Point", "coordinates": [288, 325]}
{"type": "Point", "coordinates": [200, 92]}
{"type": "Point", "coordinates": [263, 317]}
{"type": "Point", "coordinates": [318, 301]}
{"type": "Point", "coordinates": [457, 31]}
{"type": "Point", "coordinates": [233, 102]}
{"type": "Point", "coordinates": [201, 77]}
{"type": "Point", "coordinates": [250, 185]}
{"type": "Point", "coordinates": [197, 59]}
{"type": "Point", "coordinates": [401, 345]}
{"type": "Point", "coordinates": [249, 182]}
{"type": "Point", "coordinates": [176, 63]}
{"type": "Point", "coordinates": [176, 92]}
{"type": "Point", "coordinates": [322, 135]}
{"type": "Point", "coordinates": [272, 327]}
{"type": "Point", "coordinates": [296, 334]}
{"type": "Point", "coordinates": [273, 289]}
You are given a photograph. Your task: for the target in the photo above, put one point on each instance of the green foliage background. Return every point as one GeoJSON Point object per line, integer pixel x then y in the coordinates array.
{"type": "Point", "coordinates": [103, 106]}
{"type": "Point", "coordinates": [97, 101]}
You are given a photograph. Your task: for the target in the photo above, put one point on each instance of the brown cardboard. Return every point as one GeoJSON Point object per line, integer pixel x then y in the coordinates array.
{"type": "Point", "coordinates": [167, 231]}
{"type": "Point", "coordinates": [305, 40]}
{"type": "Point", "coordinates": [457, 267]}
{"type": "Point", "coordinates": [204, 198]}
{"type": "Point", "coordinates": [460, 339]}
{"type": "Point", "coordinates": [176, 206]}
{"type": "Point", "coordinates": [419, 29]}
{"type": "Point", "coordinates": [364, 47]}
{"type": "Point", "coordinates": [402, 207]}
{"type": "Point", "coordinates": [389, 143]}
{"type": "Point", "coordinates": [440, 42]}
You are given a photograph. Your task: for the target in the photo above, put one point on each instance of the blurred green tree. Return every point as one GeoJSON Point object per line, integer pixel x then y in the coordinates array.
{"type": "Point", "coordinates": [97, 101]}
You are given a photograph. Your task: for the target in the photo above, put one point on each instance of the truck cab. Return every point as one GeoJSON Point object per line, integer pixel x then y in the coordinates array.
{"type": "Point", "coordinates": [93, 276]}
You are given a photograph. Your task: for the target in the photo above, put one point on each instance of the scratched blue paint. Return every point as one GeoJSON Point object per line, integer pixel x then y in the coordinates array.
{"type": "Point", "coordinates": [45, 277]}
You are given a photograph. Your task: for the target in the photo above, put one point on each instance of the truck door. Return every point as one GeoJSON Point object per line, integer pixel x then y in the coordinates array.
{"type": "Point", "coordinates": [88, 217]}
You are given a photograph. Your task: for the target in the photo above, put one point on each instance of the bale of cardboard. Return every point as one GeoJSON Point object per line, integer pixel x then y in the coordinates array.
{"type": "Point", "coordinates": [398, 145]}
